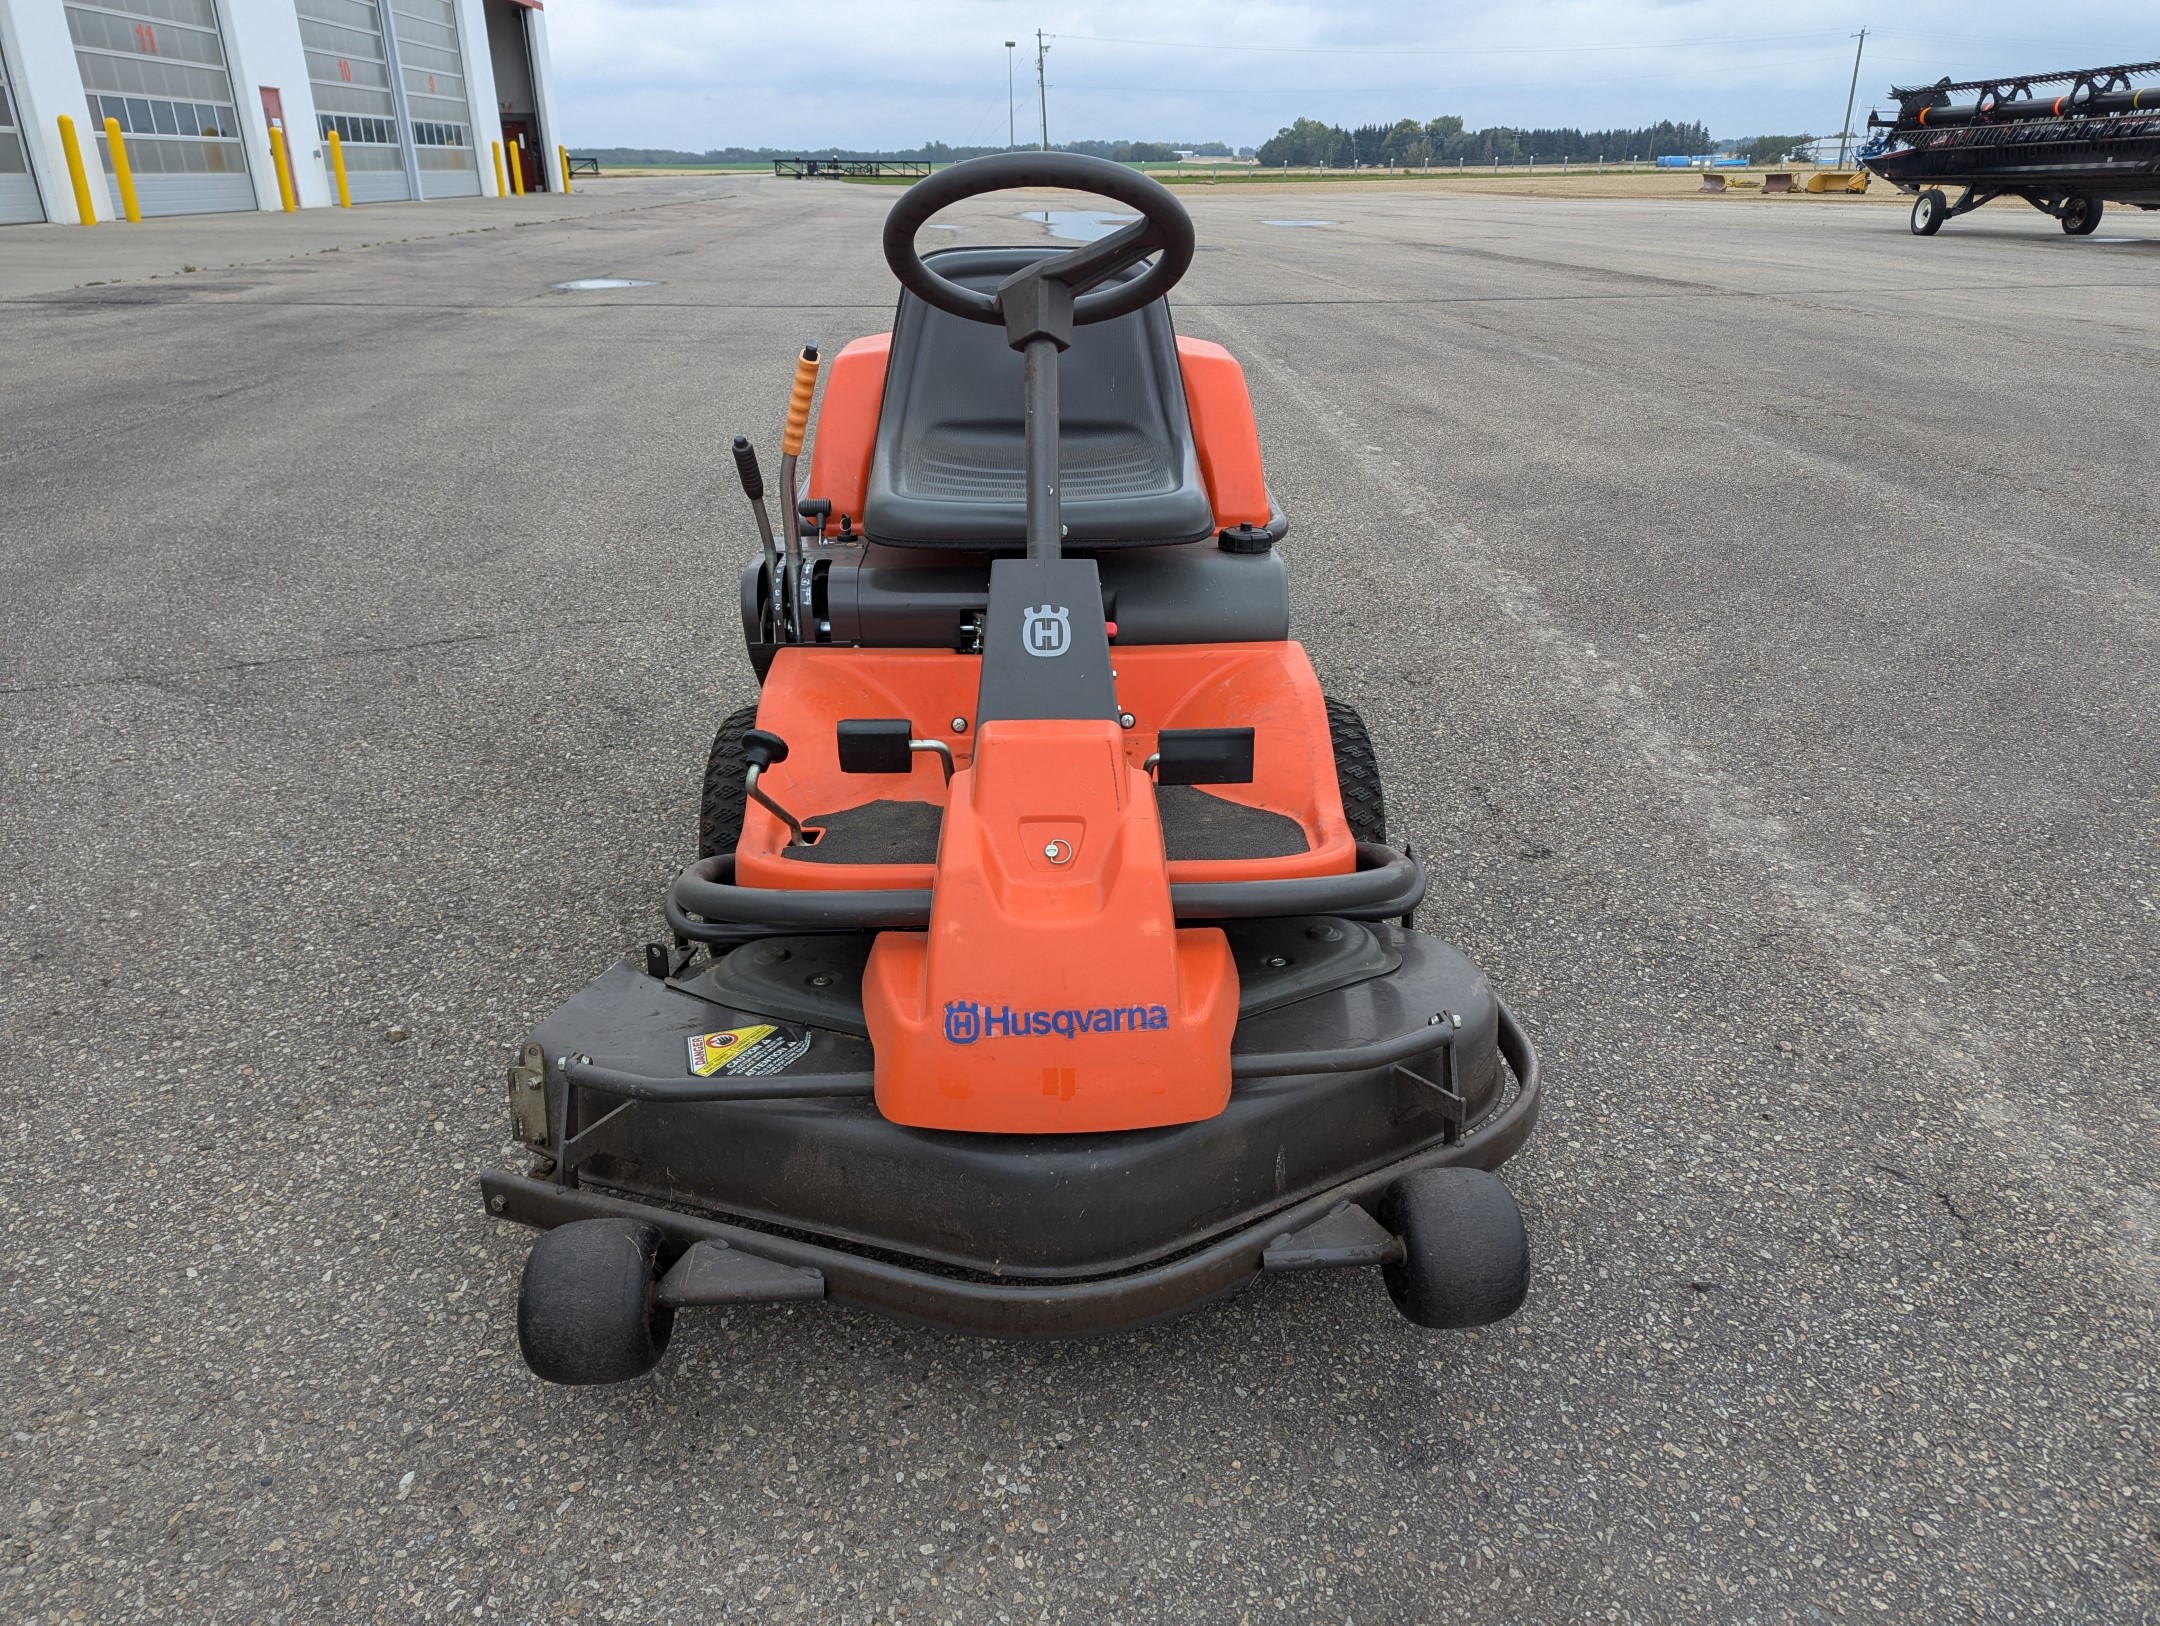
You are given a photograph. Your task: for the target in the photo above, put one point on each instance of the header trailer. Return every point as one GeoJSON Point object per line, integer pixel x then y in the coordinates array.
{"type": "Point", "coordinates": [2063, 142]}
{"type": "Point", "coordinates": [841, 169]}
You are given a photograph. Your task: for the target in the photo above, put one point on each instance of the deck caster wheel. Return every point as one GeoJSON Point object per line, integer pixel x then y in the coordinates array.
{"type": "Point", "coordinates": [1466, 1261]}
{"type": "Point", "coordinates": [1929, 210]}
{"type": "Point", "coordinates": [585, 1309]}
{"type": "Point", "coordinates": [2080, 215]}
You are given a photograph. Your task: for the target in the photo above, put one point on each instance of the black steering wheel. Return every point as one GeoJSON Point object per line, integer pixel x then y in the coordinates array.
{"type": "Point", "coordinates": [1163, 228]}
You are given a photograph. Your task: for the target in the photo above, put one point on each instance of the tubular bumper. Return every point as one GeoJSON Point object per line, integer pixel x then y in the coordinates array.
{"type": "Point", "coordinates": [1385, 885]}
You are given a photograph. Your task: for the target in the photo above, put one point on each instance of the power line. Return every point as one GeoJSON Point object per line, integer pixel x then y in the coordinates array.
{"type": "Point", "coordinates": [1451, 50]}
{"type": "Point", "coordinates": [1930, 37]}
{"type": "Point", "coordinates": [1204, 95]}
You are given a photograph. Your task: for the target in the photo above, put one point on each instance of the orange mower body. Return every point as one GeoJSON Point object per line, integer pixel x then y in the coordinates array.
{"type": "Point", "coordinates": [1045, 967]}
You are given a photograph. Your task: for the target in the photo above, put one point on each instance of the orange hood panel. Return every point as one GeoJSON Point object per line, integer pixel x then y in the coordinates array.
{"type": "Point", "coordinates": [1054, 992]}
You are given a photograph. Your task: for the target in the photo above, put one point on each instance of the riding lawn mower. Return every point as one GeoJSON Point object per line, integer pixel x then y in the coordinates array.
{"type": "Point", "coordinates": [1045, 969]}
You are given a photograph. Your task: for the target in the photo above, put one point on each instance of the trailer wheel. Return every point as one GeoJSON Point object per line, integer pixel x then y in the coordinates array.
{"type": "Point", "coordinates": [1357, 772]}
{"type": "Point", "coordinates": [585, 1308]}
{"type": "Point", "coordinates": [2080, 215]}
{"type": "Point", "coordinates": [1466, 1261]}
{"type": "Point", "coordinates": [1929, 210]}
{"type": "Point", "coordinates": [720, 806]}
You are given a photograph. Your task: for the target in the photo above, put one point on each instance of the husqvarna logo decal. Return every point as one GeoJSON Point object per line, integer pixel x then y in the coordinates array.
{"type": "Point", "coordinates": [1047, 631]}
{"type": "Point", "coordinates": [966, 1021]}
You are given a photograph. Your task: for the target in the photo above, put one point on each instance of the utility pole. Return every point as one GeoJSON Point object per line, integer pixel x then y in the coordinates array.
{"type": "Point", "coordinates": [1042, 86]}
{"type": "Point", "coordinates": [1012, 128]}
{"type": "Point", "coordinates": [1845, 129]}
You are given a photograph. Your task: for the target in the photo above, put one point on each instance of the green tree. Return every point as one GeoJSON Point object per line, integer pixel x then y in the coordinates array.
{"type": "Point", "coordinates": [1305, 143]}
{"type": "Point", "coordinates": [1444, 139]}
{"type": "Point", "coordinates": [1405, 145]}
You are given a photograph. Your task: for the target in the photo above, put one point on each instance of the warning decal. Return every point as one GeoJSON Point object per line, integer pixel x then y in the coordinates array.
{"type": "Point", "coordinates": [747, 1052]}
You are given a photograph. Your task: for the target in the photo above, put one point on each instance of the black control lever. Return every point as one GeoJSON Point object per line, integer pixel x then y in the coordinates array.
{"type": "Point", "coordinates": [753, 487]}
{"type": "Point", "coordinates": [762, 749]}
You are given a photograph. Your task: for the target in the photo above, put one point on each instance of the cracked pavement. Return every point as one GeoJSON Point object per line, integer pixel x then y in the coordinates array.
{"type": "Point", "coordinates": [1754, 609]}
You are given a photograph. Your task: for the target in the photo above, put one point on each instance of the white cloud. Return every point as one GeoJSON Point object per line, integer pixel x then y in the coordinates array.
{"type": "Point", "coordinates": [665, 73]}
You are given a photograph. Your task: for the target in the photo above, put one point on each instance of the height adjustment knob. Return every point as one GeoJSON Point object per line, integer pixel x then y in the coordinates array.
{"type": "Point", "coordinates": [761, 748]}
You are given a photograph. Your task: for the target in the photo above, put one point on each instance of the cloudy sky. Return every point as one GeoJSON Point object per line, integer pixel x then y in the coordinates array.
{"type": "Point", "coordinates": [697, 74]}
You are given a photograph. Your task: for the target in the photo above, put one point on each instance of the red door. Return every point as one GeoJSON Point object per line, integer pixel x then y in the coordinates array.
{"type": "Point", "coordinates": [520, 134]}
{"type": "Point", "coordinates": [274, 116]}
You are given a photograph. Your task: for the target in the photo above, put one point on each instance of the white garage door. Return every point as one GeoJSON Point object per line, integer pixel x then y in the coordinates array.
{"type": "Point", "coordinates": [434, 72]}
{"type": "Point", "coordinates": [158, 66]}
{"type": "Point", "coordinates": [18, 187]}
{"type": "Point", "coordinates": [349, 70]}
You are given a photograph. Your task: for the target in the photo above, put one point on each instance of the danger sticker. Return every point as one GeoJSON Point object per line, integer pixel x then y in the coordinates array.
{"type": "Point", "coordinates": [747, 1052]}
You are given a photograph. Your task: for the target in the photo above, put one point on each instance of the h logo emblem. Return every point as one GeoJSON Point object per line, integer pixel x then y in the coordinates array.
{"type": "Point", "coordinates": [963, 1022]}
{"type": "Point", "coordinates": [1046, 631]}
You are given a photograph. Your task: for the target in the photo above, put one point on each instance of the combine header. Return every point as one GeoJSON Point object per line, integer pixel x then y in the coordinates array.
{"type": "Point", "coordinates": [2064, 142]}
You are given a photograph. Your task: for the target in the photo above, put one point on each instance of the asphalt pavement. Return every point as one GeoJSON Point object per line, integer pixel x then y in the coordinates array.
{"type": "Point", "coordinates": [1757, 612]}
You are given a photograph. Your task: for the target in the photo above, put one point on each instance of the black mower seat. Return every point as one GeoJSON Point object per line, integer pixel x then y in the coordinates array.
{"type": "Point", "coordinates": [946, 469]}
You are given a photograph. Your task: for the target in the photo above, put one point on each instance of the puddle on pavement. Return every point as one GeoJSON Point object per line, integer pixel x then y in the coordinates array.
{"type": "Point", "coordinates": [1079, 225]}
{"type": "Point", "coordinates": [589, 285]}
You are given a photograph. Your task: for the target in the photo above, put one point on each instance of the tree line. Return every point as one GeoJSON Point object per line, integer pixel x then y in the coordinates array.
{"type": "Point", "coordinates": [1446, 140]}
{"type": "Point", "coordinates": [1123, 152]}
{"type": "Point", "coordinates": [1307, 144]}
{"type": "Point", "coordinates": [932, 152]}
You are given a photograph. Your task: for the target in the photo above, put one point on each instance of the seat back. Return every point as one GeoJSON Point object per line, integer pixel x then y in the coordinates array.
{"type": "Point", "coordinates": [947, 468]}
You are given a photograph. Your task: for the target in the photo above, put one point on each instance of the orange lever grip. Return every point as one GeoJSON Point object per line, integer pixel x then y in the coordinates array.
{"type": "Point", "coordinates": [798, 412]}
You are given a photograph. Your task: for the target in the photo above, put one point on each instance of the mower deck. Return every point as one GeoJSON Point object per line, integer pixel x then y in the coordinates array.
{"type": "Point", "coordinates": [1047, 1235]}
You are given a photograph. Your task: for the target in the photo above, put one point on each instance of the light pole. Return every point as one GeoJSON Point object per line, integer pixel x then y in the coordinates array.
{"type": "Point", "coordinates": [1012, 128]}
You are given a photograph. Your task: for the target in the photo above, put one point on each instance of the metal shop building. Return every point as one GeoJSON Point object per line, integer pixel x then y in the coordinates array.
{"type": "Point", "coordinates": [429, 99]}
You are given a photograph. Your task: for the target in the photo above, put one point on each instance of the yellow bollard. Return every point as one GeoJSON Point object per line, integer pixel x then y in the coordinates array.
{"type": "Point", "coordinates": [337, 171]}
{"type": "Point", "coordinates": [517, 169]}
{"type": "Point", "coordinates": [73, 149]}
{"type": "Point", "coordinates": [563, 153]}
{"type": "Point", "coordinates": [123, 176]}
{"type": "Point", "coordinates": [502, 187]}
{"type": "Point", "coordinates": [283, 165]}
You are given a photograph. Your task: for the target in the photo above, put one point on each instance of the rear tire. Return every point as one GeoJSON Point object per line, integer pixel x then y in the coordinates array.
{"type": "Point", "coordinates": [720, 806]}
{"type": "Point", "coordinates": [2081, 216]}
{"type": "Point", "coordinates": [1357, 773]}
{"type": "Point", "coordinates": [1929, 210]}
{"type": "Point", "coordinates": [1466, 1259]}
{"type": "Point", "coordinates": [585, 1308]}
